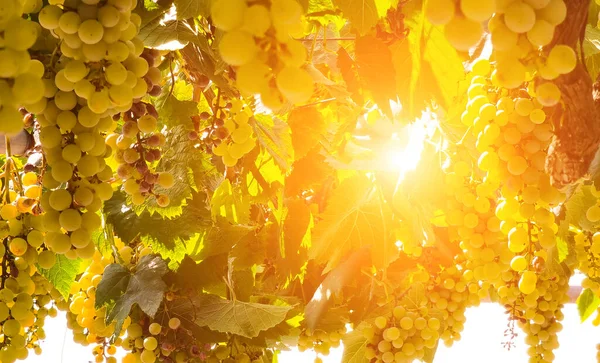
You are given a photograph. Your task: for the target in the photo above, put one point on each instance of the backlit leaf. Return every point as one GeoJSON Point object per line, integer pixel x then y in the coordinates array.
{"type": "Point", "coordinates": [362, 14]}
{"type": "Point", "coordinates": [229, 201]}
{"type": "Point", "coordinates": [62, 274]}
{"type": "Point", "coordinates": [274, 136]}
{"type": "Point", "coordinates": [170, 35]}
{"type": "Point", "coordinates": [587, 303]}
{"type": "Point", "coordinates": [307, 125]}
{"type": "Point", "coordinates": [354, 347]}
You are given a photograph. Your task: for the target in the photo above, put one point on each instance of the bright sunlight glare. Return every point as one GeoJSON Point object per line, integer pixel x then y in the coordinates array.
{"type": "Point", "coordinates": [408, 144]}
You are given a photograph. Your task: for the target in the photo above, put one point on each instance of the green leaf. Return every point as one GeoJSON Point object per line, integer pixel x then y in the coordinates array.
{"type": "Point", "coordinates": [591, 50]}
{"type": "Point", "coordinates": [168, 35]}
{"type": "Point", "coordinates": [577, 205]}
{"type": "Point", "coordinates": [192, 8]}
{"type": "Point", "coordinates": [332, 285]}
{"type": "Point", "coordinates": [62, 274]}
{"type": "Point", "coordinates": [230, 202]}
{"type": "Point", "coordinates": [587, 303]}
{"type": "Point", "coordinates": [236, 317]}
{"type": "Point", "coordinates": [104, 239]}
{"type": "Point", "coordinates": [352, 219]}
{"type": "Point", "coordinates": [376, 70]}
{"type": "Point", "coordinates": [185, 312]}
{"type": "Point", "coordinates": [175, 112]}
{"type": "Point", "coordinates": [144, 288]}
{"type": "Point", "coordinates": [354, 347]}
{"type": "Point", "coordinates": [216, 239]}
{"type": "Point", "coordinates": [274, 136]}
{"type": "Point", "coordinates": [308, 126]}
{"type": "Point", "coordinates": [115, 280]}
{"type": "Point", "coordinates": [160, 231]}
{"type": "Point", "coordinates": [362, 14]}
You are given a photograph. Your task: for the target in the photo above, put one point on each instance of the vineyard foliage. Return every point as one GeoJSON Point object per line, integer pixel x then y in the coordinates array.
{"type": "Point", "coordinates": [222, 180]}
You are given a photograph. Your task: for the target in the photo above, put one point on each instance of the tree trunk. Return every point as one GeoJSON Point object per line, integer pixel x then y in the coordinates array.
{"type": "Point", "coordinates": [576, 122]}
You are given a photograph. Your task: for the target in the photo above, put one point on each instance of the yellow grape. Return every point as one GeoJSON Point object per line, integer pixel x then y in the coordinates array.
{"type": "Point", "coordinates": [527, 282]}
{"type": "Point", "coordinates": [555, 12]}
{"type": "Point", "coordinates": [69, 22]}
{"type": "Point", "coordinates": [519, 17]}
{"type": "Point", "coordinates": [90, 31]}
{"type": "Point", "coordinates": [478, 10]}
{"type": "Point", "coordinates": [20, 34]}
{"type": "Point", "coordinates": [541, 34]}
{"type": "Point", "coordinates": [228, 14]}
{"type": "Point", "coordinates": [562, 59]}
{"type": "Point", "coordinates": [518, 239]}
{"type": "Point", "coordinates": [463, 33]}
{"type": "Point", "coordinates": [147, 123]}
{"type": "Point", "coordinates": [440, 12]}
{"type": "Point", "coordinates": [295, 84]}
{"type": "Point", "coordinates": [257, 20]}
{"type": "Point", "coordinates": [253, 77]}
{"type": "Point", "coordinates": [237, 48]}
{"type": "Point", "coordinates": [548, 94]}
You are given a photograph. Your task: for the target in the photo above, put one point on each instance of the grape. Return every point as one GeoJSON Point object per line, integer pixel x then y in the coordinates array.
{"type": "Point", "coordinates": [65, 100]}
{"type": "Point", "coordinates": [147, 356]}
{"type": "Point", "coordinates": [294, 54]}
{"type": "Point", "coordinates": [252, 78]}
{"type": "Point", "coordinates": [228, 14]}
{"type": "Point", "coordinates": [592, 214]}
{"type": "Point", "coordinates": [519, 17]}
{"type": "Point", "coordinates": [87, 166]}
{"type": "Point", "coordinates": [150, 343]}
{"type": "Point", "coordinates": [174, 323]}
{"type": "Point", "coordinates": [49, 16]}
{"type": "Point", "coordinates": [147, 123]}
{"type": "Point", "coordinates": [518, 239]}
{"type": "Point", "coordinates": [50, 137]}
{"type": "Point", "coordinates": [94, 52]}
{"type": "Point", "coordinates": [237, 48]}
{"type": "Point", "coordinates": [463, 33]}
{"type": "Point", "coordinates": [257, 20]}
{"type": "Point", "coordinates": [69, 22]}
{"type": "Point", "coordinates": [28, 89]}
{"type": "Point", "coordinates": [154, 328]}
{"type": "Point", "coordinates": [62, 171]}
{"type": "Point", "coordinates": [165, 180]}
{"type": "Point", "coordinates": [46, 259]}
{"type": "Point", "coordinates": [108, 16]}
{"type": "Point", "coordinates": [80, 238]}
{"type": "Point", "coordinates": [548, 94]}
{"type": "Point", "coordinates": [90, 31]}
{"type": "Point", "coordinates": [99, 101]}
{"type": "Point", "coordinates": [295, 84]}
{"type": "Point", "coordinates": [163, 200]}
{"type": "Point", "coordinates": [477, 10]}
{"type": "Point", "coordinates": [75, 71]}
{"type": "Point", "coordinates": [541, 34]}
{"type": "Point", "coordinates": [20, 34]}
{"type": "Point", "coordinates": [555, 12]}
{"type": "Point", "coordinates": [562, 59]}
{"type": "Point", "coordinates": [440, 12]}
{"type": "Point", "coordinates": [120, 95]}
{"type": "Point", "coordinates": [11, 120]}
{"type": "Point", "coordinates": [115, 73]}
{"type": "Point", "coordinates": [9, 63]}
{"type": "Point", "coordinates": [528, 282]}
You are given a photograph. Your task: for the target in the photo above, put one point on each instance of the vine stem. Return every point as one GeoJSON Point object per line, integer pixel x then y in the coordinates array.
{"type": "Point", "coordinates": [7, 170]}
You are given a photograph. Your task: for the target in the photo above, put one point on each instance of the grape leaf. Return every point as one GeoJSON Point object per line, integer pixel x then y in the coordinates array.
{"type": "Point", "coordinates": [115, 280]}
{"type": "Point", "coordinates": [274, 136]}
{"type": "Point", "coordinates": [144, 288]}
{"type": "Point", "coordinates": [348, 69]}
{"type": "Point", "coordinates": [352, 219]}
{"type": "Point", "coordinates": [216, 239]}
{"type": "Point", "coordinates": [192, 8]}
{"type": "Point", "coordinates": [376, 70]}
{"type": "Point", "coordinates": [354, 347]}
{"type": "Point", "coordinates": [587, 303]}
{"type": "Point", "coordinates": [62, 274]}
{"type": "Point", "coordinates": [236, 317]}
{"type": "Point", "coordinates": [230, 202]}
{"type": "Point", "coordinates": [295, 230]}
{"type": "Point", "coordinates": [175, 112]}
{"type": "Point", "coordinates": [362, 14]}
{"type": "Point", "coordinates": [169, 35]}
{"type": "Point", "coordinates": [307, 172]}
{"type": "Point", "coordinates": [307, 125]}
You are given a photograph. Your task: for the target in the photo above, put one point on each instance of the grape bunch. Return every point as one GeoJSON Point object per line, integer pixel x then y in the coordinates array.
{"type": "Point", "coordinates": [320, 341]}
{"type": "Point", "coordinates": [21, 75]}
{"type": "Point", "coordinates": [258, 42]}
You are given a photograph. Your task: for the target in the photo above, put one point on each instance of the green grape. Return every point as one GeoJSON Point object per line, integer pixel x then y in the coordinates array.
{"type": "Point", "coordinates": [174, 323]}
{"type": "Point", "coordinates": [163, 200]}
{"type": "Point", "coordinates": [66, 120]}
{"type": "Point", "coordinates": [108, 16]}
{"type": "Point", "coordinates": [519, 17]}
{"type": "Point", "coordinates": [9, 63]}
{"type": "Point", "coordinates": [69, 22]}
{"type": "Point", "coordinates": [548, 94]}
{"type": "Point", "coordinates": [20, 34]}
{"type": "Point", "coordinates": [11, 328]}
{"type": "Point", "coordinates": [286, 12]}
{"type": "Point", "coordinates": [562, 59]}
{"type": "Point", "coordinates": [541, 34]}
{"type": "Point", "coordinates": [65, 100]}
{"type": "Point", "coordinates": [28, 89]}
{"type": "Point", "coordinates": [49, 16]}
{"type": "Point", "coordinates": [139, 66]}
{"type": "Point", "coordinates": [241, 134]}
{"type": "Point", "coordinates": [147, 123]}
{"type": "Point", "coordinates": [117, 52]}
{"type": "Point", "coordinates": [18, 246]}
{"type": "Point", "coordinates": [150, 343]}
{"type": "Point", "coordinates": [238, 48]}
{"type": "Point", "coordinates": [295, 84]}
{"type": "Point", "coordinates": [103, 191]}
{"type": "Point", "coordinates": [554, 13]}
{"type": "Point", "coordinates": [115, 74]}
{"type": "Point", "coordinates": [257, 20]}
{"type": "Point", "coordinates": [90, 31]}
{"type": "Point", "coordinates": [81, 238]}
{"type": "Point", "coordinates": [62, 171]}
{"type": "Point", "coordinates": [527, 282]}
{"type": "Point", "coordinates": [88, 165]}
{"type": "Point", "coordinates": [99, 102]}
{"type": "Point", "coordinates": [8, 11]}
{"type": "Point", "coordinates": [62, 83]}
{"type": "Point", "coordinates": [147, 356]}
{"type": "Point", "coordinates": [94, 52]}
{"type": "Point", "coordinates": [50, 137]}
{"type": "Point", "coordinates": [120, 95]}
{"type": "Point", "coordinates": [165, 180]}
{"type": "Point", "coordinates": [60, 199]}
{"type": "Point", "coordinates": [253, 78]}
{"type": "Point", "coordinates": [91, 221]}
{"type": "Point", "coordinates": [154, 328]}
{"type": "Point", "coordinates": [83, 196]}
{"type": "Point", "coordinates": [87, 118]}
{"type": "Point", "coordinates": [228, 14]}
{"type": "Point", "coordinates": [478, 10]}
{"type": "Point", "coordinates": [440, 12]}
{"type": "Point", "coordinates": [86, 141]}
{"type": "Point", "coordinates": [463, 33]}
{"type": "Point", "coordinates": [70, 219]}
{"type": "Point", "coordinates": [75, 71]}
{"type": "Point", "coordinates": [518, 239]}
